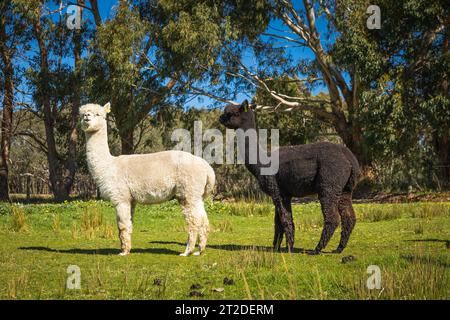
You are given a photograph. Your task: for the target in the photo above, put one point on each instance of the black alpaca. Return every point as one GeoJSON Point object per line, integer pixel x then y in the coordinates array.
{"type": "Point", "coordinates": [323, 168]}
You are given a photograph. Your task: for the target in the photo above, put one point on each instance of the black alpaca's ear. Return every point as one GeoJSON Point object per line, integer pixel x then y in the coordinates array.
{"type": "Point", "coordinates": [253, 106]}
{"type": "Point", "coordinates": [244, 106]}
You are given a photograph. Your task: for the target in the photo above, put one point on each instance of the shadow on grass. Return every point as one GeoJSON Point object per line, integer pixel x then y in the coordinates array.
{"type": "Point", "coordinates": [428, 240]}
{"type": "Point", "coordinates": [445, 242]}
{"type": "Point", "coordinates": [237, 247]}
{"type": "Point", "coordinates": [102, 251]}
{"type": "Point", "coordinates": [425, 260]}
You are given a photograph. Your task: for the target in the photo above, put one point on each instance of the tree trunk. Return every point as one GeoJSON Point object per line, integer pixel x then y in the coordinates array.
{"type": "Point", "coordinates": [442, 147]}
{"type": "Point", "coordinates": [28, 187]}
{"type": "Point", "coordinates": [60, 193]}
{"type": "Point", "coordinates": [358, 148]}
{"type": "Point", "coordinates": [127, 140]}
{"type": "Point", "coordinates": [6, 137]}
{"type": "Point", "coordinates": [61, 173]}
{"type": "Point", "coordinates": [96, 12]}
{"type": "Point", "coordinates": [71, 163]}
{"type": "Point", "coordinates": [349, 130]}
{"type": "Point", "coordinates": [442, 144]}
{"type": "Point", "coordinates": [6, 126]}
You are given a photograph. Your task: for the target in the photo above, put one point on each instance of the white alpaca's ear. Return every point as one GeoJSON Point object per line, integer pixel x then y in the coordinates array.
{"type": "Point", "coordinates": [107, 107]}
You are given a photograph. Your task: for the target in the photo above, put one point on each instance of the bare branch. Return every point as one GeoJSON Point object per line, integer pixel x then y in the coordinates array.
{"type": "Point", "coordinates": [295, 80]}
{"type": "Point", "coordinates": [144, 52]}
{"type": "Point", "coordinates": [311, 16]}
{"type": "Point", "coordinates": [327, 11]}
{"type": "Point", "coordinates": [283, 99]}
{"type": "Point", "coordinates": [299, 30]}
{"type": "Point", "coordinates": [96, 13]}
{"type": "Point", "coordinates": [305, 99]}
{"type": "Point", "coordinates": [29, 108]}
{"type": "Point", "coordinates": [30, 134]}
{"type": "Point", "coordinates": [285, 38]}
{"type": "Point", "coordinates": [213, 96]}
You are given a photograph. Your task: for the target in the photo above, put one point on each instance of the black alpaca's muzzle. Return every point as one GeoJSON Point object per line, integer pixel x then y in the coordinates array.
{"type": "Point", "coordinates": [223, 119]}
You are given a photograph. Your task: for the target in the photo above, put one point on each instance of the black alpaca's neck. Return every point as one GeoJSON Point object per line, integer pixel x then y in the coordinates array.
{"type": "Point", "coordinates": [254, 146]}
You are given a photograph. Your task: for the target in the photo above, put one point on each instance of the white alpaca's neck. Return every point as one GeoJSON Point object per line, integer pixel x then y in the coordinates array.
{"type": "Point", "coordinates": [99, 158]}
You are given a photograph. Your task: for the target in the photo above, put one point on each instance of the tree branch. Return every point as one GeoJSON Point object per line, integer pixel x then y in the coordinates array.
{"type": "Point", "coordinates": [213, 96]}
{"type": "Point", "coordinates": [41, 144]}
{"type": "Point", "coordinates": [95, 12]}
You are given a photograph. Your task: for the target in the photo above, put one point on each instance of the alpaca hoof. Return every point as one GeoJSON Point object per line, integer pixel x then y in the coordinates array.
{"type": "Point", "coordinates": [338, 250]}
{"type": "Point", "coordinates": [197, 253]}
{"type": "Point", "coordinates": [315, 252]}
{"type": "Point", "coordinates": [184, 254]}
{"type": "Point", "coordinates": [124, 253]}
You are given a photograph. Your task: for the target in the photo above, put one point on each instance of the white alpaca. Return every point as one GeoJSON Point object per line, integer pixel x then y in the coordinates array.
{"type": "Point", "coordinates": [147, 178]}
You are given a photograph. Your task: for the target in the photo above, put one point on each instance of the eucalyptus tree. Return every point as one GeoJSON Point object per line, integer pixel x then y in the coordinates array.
{"type": "Point", "coordinates": [122, 68]}
{"type": "Point", "coordinates": [218, 37]}
{"type": "Point", "coordinates": [6, 52]}
{"type": "Point", "coordinates": [12, 33]}
{"type": "Point", "coordinates": [53, 76]}
{"type": "Point", "coordinates": [242, 46]}
{"type": "Point", "coordinates": [404, 100]}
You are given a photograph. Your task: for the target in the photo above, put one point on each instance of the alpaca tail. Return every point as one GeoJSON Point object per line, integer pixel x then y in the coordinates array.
{"type": "Point", "coordinates": [210, 181]}
{"type": "Point", "coordinates": [355, 171]}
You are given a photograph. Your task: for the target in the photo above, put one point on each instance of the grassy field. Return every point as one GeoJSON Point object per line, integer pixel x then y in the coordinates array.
{"type": "Point", "coordinates": [408, 242]}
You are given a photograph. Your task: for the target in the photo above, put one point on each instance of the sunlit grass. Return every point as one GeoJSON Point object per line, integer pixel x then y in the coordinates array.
{"type": "Point", "coordinates": [18, 219]}
{"type": "Point", "coordinates": [38, 242]}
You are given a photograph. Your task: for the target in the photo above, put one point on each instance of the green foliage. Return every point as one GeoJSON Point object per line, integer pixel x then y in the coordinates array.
{"type": "Point", "coordinates": [404, 106]}
{"type": "Point", "coordinates": [186, 35]}
{"type": "Point", "coordinates": [193, 32]}
{"type": "Point", "coordinates": [354, 50]}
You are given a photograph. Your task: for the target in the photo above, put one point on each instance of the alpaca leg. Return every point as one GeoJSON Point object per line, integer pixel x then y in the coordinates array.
{"type": "Point", "coordinates": [288, 206]}
{"type": "Point", "coordinates": [331, 216]}
{"type": "Point", "coordinates": [348, 220]}
{"type": "Point", "coordinates": [203, 229]}
{"type": "Point", "coordinates": [286, 222]}
{"type": "Point", "coordinates": [192, 239]}
{"type": "Point", "coordinates": [279, 232]}
{"type": "Point", "coordinates": [279, 229]}
{"type": "Point", "coordinates": [193, 221]}
{"type": "Point", "coordinates": [125, 227]}
{"type": "Point", "coordinates": [133, 209]}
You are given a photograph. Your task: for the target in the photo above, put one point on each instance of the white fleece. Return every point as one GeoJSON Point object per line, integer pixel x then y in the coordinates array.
{"type": "Point", "coordinates": [147, 178]}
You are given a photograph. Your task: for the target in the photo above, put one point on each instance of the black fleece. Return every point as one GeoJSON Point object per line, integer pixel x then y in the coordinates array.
{"type": "Point", "coordinates": [326, 169]}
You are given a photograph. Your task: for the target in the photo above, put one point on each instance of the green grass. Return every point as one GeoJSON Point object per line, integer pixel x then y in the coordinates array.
{"type": "Point", "coordinates": [38, 242]}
